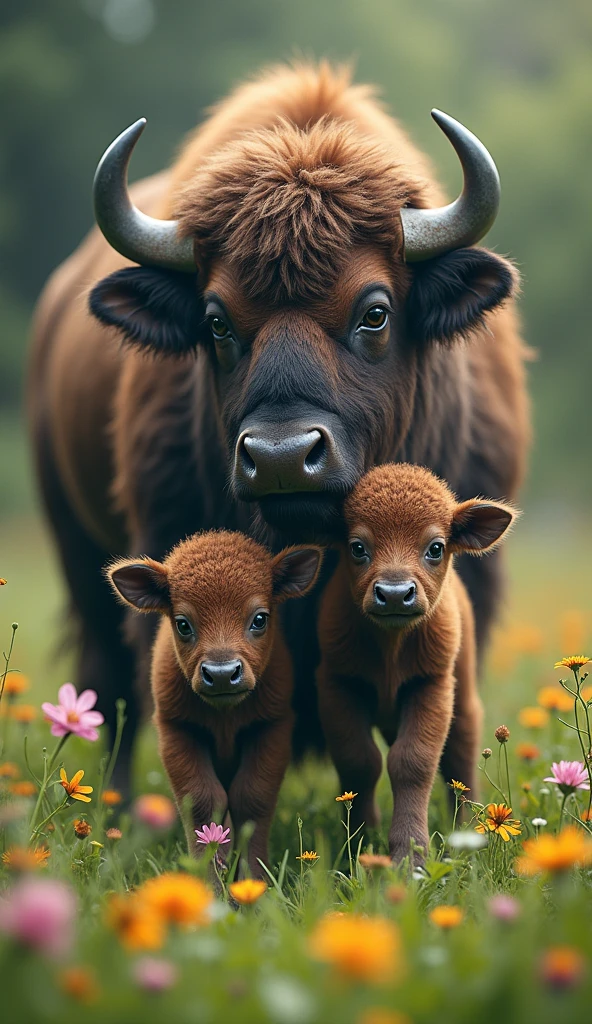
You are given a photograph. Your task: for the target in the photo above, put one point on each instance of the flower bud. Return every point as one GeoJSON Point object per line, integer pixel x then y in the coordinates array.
{"type": "Point", "coordinates": [486, 753]}
{"type": "Point", "coordinates": [502, 734]}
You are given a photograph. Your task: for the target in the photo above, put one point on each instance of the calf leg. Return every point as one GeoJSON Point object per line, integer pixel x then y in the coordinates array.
{"type": "Point", "coordinates": [188, 764]}
{"type": "Point", "coordinates": [459, 758]}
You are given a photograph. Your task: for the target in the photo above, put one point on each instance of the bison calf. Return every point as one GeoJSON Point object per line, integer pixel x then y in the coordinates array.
{"type": "Point", "coordinates": [221, 673]}
{"type": "Point", "coordinates": [398, 645]}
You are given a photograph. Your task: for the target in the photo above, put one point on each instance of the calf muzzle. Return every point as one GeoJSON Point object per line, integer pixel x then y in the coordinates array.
{"type": "Point", "coordinates": [222, 678]}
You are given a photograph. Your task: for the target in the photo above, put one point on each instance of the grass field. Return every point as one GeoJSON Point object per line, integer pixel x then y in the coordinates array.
{"type": "Point", "coordinates": [327, 941]}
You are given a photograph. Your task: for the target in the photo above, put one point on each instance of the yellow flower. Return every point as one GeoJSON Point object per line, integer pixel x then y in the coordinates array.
{"type": "Point", "coordinates": [178, 898]}
{"type": "Point", "coordinates": [9, 770]}
{"type": "Point", "coordinates": [380, 1015]}
{"type": "Point", "coordinates": [247, 891]}
{"type": "Point", "coordinates": [498, 820]}
{"type": "Point", "coordinates": [23, 713]}
{"type": "Point", "coordinates": [111, 797]}
{"type": "Point", "coordinates": [345, 797]}
{"type": "Point", "coordinates": [15, 684]}
{"type": "Point", "coordinates": [23, 788]}
{"type": "Point", "coordinates": [366, 949]}
{"type": "Point", "coordinates": [446, 916]}
{"type": "Point", "coordinates": [21, 858]}
{"type": "Point", "coordinates": [533, 717]}
{"type": "Point", "coordinates": [569, 849]}
{"type": "Point", "coordinates": [309, 855]}
{"type": "Point", "coordinates": [573, 662]}
{"type": "Point", "coordinates": [553, 698]}
{"type": "Point", "coordinates": [73, 789]}
{"type": "Point", "coordinates": [137, 924]}
{"type": "Point", "coordinates": [79, 983]}
{"type": "Point", "coordinates": [375, 860]}
{"type": "Point", "coordinates": [459, 787]}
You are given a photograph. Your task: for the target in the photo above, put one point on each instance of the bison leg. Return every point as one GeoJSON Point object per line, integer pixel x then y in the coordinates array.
{"type": "Point", "coordinates": [188, 764]}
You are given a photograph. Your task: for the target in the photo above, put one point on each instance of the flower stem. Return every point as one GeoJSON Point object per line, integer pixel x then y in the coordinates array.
{"type": "Point", "coordinates": [508, 775]}
{"type": "Point", "coordinates": [47, 773]}
{"type": "Point", "coordinates": [39, 828]}
{"type": "Point", "coordinates": [565, 796]}
{"type": "Point", "coordinates": [349, 852]}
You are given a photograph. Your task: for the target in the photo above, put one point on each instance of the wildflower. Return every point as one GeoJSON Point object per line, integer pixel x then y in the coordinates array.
{"type": "Point", "coordinates": [155, 810]}
{"type": "Point", "coordinates": [502, 734]}
{"type": "Point", "coordinates": [553, 698]}
{"type": "Point", "coordinates": [533, 717]}
{"type": "Point", "coordinates": [503, 907]}
{"type": "Point", "coordinates": [113, 833]}
{"type": "Point", "coordinates": [525, 787]}
{"type": "Point", "coordinates": [73, 788]}
{"type": "Point", "coordinates": [154, 974]}
{"type": "Point", "coordinates": [486, 754]}
{"type": "Point", "coordinates": [561, 967]}
{"type": "Point", "coordinates": [374, 860]}
{"type": "Point", "coordinates": [40, 913]}
{"type": "Point", "coordinates": [345, 798]}
{"type": "Point", "coordinates": [569, 776]}
{"type": "Point", "coordinates": [576, 661]}
{"type": "Point", "coordinates": [555, 854]}
{"type": "Point", "coordinates": [459, 787]}
{"type": "Point", "coordinates": [73, 713]}
{"type": "Point", "coordinates": [466, 840]}
{"type": "Point", "coordinates": [23, 788]}
{"type": "Point", "coordinates": [9, 770]}
{"type": "Point", "coordinates": [111, 797]}
{"type": "Point", "coordinates": [498, 820]}
{"type": "Point", "coordinates": [22, 858]}
{"type": "Point", "coordinates": [178, 898]}
{"type": "Point", "coordinates": [79, 983]}
{"type": "Point", "coordinates": [23, 713]}
{"type": "Point", "coordinates": [15, 684]}
{"type": "Point", "coordinates": [446, 916]}
{"type": "Point", "coordinates": [395, 894]}
{"type": "Point", "coordinates": [98, 846]}
{"type": "Point", "coordinates": [3, 582]}
{"type": "Point", "coordinates": [82, 828]}
{"type": "Point", "coordinates": [247, 891]}
{"type": "Point", "coordinates": [212, 834]}
{"type": "Point", "coordinates": [586, 815]}
{"type": "Point", "coordinates": [527, 751]}
{"type": "Point", "coordinates": [538, 822]}
{"type": "Point", "coordinates": [366, 949]}
{"type": "Point", "coordinates": [308, 855]}
{"type": "Point", "coordinates": [380, 1015]}
{"type": "Point", "coordinates": [138, 925]}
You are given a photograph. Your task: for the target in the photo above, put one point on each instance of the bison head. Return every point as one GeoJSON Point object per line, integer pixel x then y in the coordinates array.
{"type": "Point", "coordinates": [309, 266]}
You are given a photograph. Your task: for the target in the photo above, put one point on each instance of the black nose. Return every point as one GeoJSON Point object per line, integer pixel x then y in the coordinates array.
{"type": "Point", "coordinates": [286, 458]}
{"type": "Point", "coordinates": [222, 677]}
{"type": "Point", "coordinates": [395, 598]}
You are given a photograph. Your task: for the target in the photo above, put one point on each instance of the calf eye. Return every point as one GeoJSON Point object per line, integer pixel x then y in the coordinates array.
{"type": "Point", "coordinates": [259, 623]}
{"type": "Point", "coordinates": [184, 627]}
{"type": "Point", "coordinates": [358, 551]}
{"type": "Point", "coordinates": [375, 318]}
{"type": "Point", "coordinates": [435, 552]}
{"type": "Point", "coordinates": [219, 327]}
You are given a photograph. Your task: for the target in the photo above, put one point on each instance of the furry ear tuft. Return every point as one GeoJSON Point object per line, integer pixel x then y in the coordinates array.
{"type": "Point", "coordinates": [141, 583]}
{"type": "Point", "coordinates": [295, 571]}
{"type": "Point", "coordinates": [479, 525]}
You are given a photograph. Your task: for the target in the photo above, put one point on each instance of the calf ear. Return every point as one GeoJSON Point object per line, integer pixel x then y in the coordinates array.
{"type": "Point", "coordinates": [478, 526]}
{"type": "Point", "coordinates": [295, 571]}
{"type": "Point", "coordinates": [450, 295]}
{"type": "Point", "coordinates": [156, 310]}
{"type": "Point", "coordinates": [142, 583]}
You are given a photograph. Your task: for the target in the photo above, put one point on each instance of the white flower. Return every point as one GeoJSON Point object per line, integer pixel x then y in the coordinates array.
{"type": "Point", "coordinates": [539, 822]}
{"type": "Point", "coordinates": [466, 840]}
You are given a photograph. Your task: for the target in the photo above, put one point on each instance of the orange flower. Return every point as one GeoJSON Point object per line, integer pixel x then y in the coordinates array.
{"type": "Point", "coordinates": [366, 949]}
{"type": "Point", "coordinates": [374, 860]}
{"type": "Point", "coordinates": [380, 1015]}
{"type": "Point", "coordinates": [82, 828]}
{"type": "Point", "coordinates": [9, 770]}
{"type": "Point", "coordinates": [15, 684]}
{"type": "Point", "coordinates": [446, 916]}
{"type": "Point", "coordinates": [396, 893]}
{"type": "Point", "coordinates": [247, 891]}
{"type": "Point", "coordinates": [79, 983]}
{"type": "Point", "coordinates": [308, 855]}
{"type": "Point", "coordinates": [23, 713]}
{"type": "Point", "coordinates": [498, 820]}
{"type": "Point", "coordinates": [459, 787]}
{"type": "Point", "coordinates": [3, 582]}
{"type": "Point", "coordinates": [533, 717]}
{"type": "Point", "coordinates": [23, 788]}
{"type": "Point", "coordinates": [114, 833]}
{"type": "Point", "coordinates": [586, 815]}
{"type": "Point", "coordinates": [73, 788]}
{"type": "Point", "coordinates": [22, 858]}
{"type": "Point", "coordinates": [178, 898]}
{"type": "Point", "coordinates": [575, 661]}
{"type": "Point", "coordinates": [562, 967]}
{"type": "Point", "coordinates": [111, 797]}
{"type": "Point", "coordinates": [528, 751]}
{"type": "Point", "coordinates": [345, 797]}
{"type": "Point", "coordinates": [553, 698]}
{"type": "Point", "coordinates": [137, 924]}
{"type": "Point", "coordinates": [549, 853]}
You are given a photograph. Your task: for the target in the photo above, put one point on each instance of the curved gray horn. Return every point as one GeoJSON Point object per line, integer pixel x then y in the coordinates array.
{"type": "Point", "coordinates": [142, 239]}
{"type": "Point", "coordinates": [430, 233]}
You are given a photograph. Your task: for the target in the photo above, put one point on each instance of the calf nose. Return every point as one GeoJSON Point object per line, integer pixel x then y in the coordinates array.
{"type": "Point", "coordinates": [221, 677]}
{"type": "Point", "coordinates": [292, 457]}
{"type": "Point", "coordinates": [395, 598]}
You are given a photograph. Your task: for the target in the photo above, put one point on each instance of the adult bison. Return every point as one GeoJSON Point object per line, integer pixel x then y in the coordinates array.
{"type": "Point", "coordinates": [304, 308]}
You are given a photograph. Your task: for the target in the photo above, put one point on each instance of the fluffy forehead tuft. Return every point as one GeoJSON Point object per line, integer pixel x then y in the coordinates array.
{"type": "Point", "coordinates": [219, 565]}
{"type": "Point", "coordinates": [284, 205]}
{"type": "Point", "coordinates": [399, 495]}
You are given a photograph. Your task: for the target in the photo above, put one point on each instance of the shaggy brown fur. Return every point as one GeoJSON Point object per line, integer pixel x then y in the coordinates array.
{"type": "Point", "coordinates": [226, 751]}
{"type": "Point", "coordinates": [413, 675]}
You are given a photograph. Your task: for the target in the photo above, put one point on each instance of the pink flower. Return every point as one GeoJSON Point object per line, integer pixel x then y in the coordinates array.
{"type": "Point", "coordinates": [73, 713]}
{"type": "Point", "coordinates": [155, 974]}
{"type": "Point", "coordinates": [212, 834]}
{"type": "Point", "coordinates": [40, 913]}
{"type": "Point", "coordinates": [505, 908]}
{"type": "Point", "coordinates": [569, 776]}
{"type": "Point", "coordinates": [155, 810]}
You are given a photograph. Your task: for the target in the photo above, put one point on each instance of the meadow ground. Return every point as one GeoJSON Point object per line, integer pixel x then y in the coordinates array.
{"type": "Point", "coordinates": [126, 928]}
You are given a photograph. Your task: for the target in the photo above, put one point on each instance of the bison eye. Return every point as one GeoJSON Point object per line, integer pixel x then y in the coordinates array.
{"type": "Point", "coordinates": [184, 627]}
{"type": "Point", "coordinates": [435, 552]}
{"type": "Point", "coordinates": [219, 327]}
{"type": "Point", "coordinates": [375, 318]}
{"type": "Point", "coordinates": [358, 551]}
{"type": "Point", "coordinates": [259, 623]}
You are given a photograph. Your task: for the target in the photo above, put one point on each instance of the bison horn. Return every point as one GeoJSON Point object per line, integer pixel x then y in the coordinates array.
{"type": "Point", "coordinates": [429, 233]}
{"type": "Point", "coordinates": [140, 238]}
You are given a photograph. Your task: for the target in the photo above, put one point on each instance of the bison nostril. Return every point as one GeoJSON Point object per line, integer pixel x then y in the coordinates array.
{"type": "Point", "coordinates": [409, 597]}
{"type": "Point", "coordinates": [206, 676]}
{"type": "Point", "coordinates": [236, 675]}
{"type": "Point", "coordinates": [249, 465]}
{"type": "Point", "coordinates": [379, 595]}
{"type": "Point", "coordinates": [316, 454]}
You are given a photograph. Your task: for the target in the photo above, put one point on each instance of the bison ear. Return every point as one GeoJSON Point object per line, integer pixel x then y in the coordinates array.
{"type": "Point", "coordinates": [295, 571]}
{"type": "Point", "coordinates": [141, 583]}
{"type": "Point", "coordinates": [478, 526]}
{"type": "Point", "coordinates": [156, 310]}
{"type": "Point", "coordinates": [450, 295]}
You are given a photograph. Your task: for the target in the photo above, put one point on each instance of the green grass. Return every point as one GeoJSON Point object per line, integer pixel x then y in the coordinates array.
{"type": "Point", "coordinates": [255, 965]}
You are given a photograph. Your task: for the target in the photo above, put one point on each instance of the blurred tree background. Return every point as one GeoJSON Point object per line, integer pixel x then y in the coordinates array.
{"type": "Point", "coordinates": [74, 73]}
